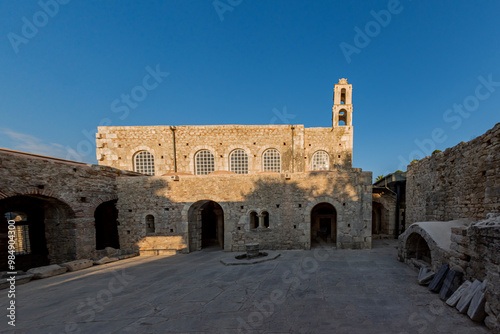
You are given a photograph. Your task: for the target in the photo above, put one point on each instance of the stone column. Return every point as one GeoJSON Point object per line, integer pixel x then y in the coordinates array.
{"type": "Point", "coordinates": [261, 220]}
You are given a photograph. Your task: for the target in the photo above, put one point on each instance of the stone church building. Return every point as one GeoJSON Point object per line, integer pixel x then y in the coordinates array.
{"type": "Point", "coordinates": [284, 186]}
{"type": "Point", "coordinates": [169, 189]}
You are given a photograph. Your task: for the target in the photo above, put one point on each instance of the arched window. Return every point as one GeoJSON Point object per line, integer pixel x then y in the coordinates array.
{"type": "Point", "coordinates": [265, 216]}
{"type": "Point", "coordinates": [342, 96]}
{"type": "Point", "coordinates": [342, 117]}
{"type": "Point", "coordinates": [204, 162]}
{"type": "Point", "coordinates": [144, 162]}
{"type": "Point", "coordinates": [254, 220]}
{"type": "Point", "coordinates": [150, 224]}
{"type": "Point", "coordinates": [271, 161]}
{"type": "Point", "coordinates": [238, 162]}
{"type": "Point", "coordinates": [320, 161]}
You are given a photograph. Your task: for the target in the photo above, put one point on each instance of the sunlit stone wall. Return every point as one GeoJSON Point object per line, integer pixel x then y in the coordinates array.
{"type": "Point", "coordinates": [289, 200]}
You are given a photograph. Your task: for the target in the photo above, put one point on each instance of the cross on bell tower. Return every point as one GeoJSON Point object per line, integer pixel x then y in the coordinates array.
{"type": "Point", "coordinates": [342, 104]}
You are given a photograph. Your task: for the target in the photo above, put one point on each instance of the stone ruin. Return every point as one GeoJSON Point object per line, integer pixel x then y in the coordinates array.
{"type": "Point", "coordinates": [453, 206]}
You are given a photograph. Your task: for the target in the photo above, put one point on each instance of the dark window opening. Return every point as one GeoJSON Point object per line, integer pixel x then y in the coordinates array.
{"type": "Point", "coordinates": [265, 215]}
{"type": "Point", "coordinates": [106, 226]}
{"type": "Point", "coordinates": [150, 224]}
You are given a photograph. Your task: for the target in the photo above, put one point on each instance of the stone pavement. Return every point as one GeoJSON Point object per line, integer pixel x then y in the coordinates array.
{"type": "Point", "coordinates": [317, 291]}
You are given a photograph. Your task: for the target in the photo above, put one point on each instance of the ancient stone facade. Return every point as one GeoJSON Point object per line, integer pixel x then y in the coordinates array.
{"type": "Point", "coordinates": [461, 182]}
{"type": "Point", "coordinates": [281, 148]}
{"type": "Point", "coordinates": [285, 187]}
{"type": "Point", "coordinates": [250, 183]}
{"type": "Point", "coordinates": [55, 203]}
{"type": "Point", "coordinates": [177, 205]}
{"type": "Point", "coordinates": [119, 146]}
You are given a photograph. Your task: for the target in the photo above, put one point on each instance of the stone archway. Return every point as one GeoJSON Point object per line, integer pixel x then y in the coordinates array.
{"type": "Point", "coordinates": [43, 231]}
{"type": "Point", "coordinates": [417, 248]}
{"type": "Point", "coordinates": [323, 224]}
{"type": "Point", "coordinates": [206, 225]}
{"type": "Point", "coordinates": [106, 225]}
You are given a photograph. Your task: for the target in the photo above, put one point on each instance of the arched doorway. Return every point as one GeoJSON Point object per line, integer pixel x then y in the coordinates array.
{"type": "Point", "coordinates": [106, 226]}
{"type": "Point", "coordinates": [43, 231]}
{"type": "Point", "coordinates": [206, 225]}
{"type": "Point", "coordinates": [417, 247]}
{"type": "Point", "coordinates": [323, 224]}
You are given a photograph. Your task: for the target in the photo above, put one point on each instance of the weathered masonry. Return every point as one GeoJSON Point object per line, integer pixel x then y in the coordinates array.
{"type": "Point", "coordinates": [242, 149]}
{"type": "Point", "coordinates": [162, 214]}
{"type": "Point", "coordinates": [64, 210]}
{"type": "Point", "coordinates": [187, 188]}
{"type": "Point", "coordinates": [453, 203]}
{"type": "Point", "coordinates": [284, 186]}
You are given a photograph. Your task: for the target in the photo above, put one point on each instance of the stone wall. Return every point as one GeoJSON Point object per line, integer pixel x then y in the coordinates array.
{"type": "Point", "coordinates": [470, 248]}
{"type": "Point", "coordinates": [461, 182]}
{"type": "Point", "coordinates": [117, 145]}
{"type": "Point", "coordinates": [445, 193]}
{"type": "Point", "coordinates": [289, 200]}
{"type": "Point", "coordinates": [476, 251]}
{"type": "Point", "coordinates": [67, 192]}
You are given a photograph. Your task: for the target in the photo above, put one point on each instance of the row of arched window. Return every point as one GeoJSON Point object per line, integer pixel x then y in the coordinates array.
{"type": "Point", "coordinates": [204, 162]}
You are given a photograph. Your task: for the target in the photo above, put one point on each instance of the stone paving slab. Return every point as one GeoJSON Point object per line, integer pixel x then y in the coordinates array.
{"type": "Point", "coordinates": [339, 291]}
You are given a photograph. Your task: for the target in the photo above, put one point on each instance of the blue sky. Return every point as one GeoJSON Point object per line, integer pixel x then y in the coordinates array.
{"type": "Point", "coordinates": [425, 74]}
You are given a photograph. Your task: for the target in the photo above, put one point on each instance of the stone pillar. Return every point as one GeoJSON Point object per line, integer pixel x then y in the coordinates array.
{"type": "Point", "coordinates": [261, 220]}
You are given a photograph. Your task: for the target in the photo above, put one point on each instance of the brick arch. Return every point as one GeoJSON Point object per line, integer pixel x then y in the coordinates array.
{"type": "Point", "coordinates": [34, 191]}
{"type": "Point", "coordinates": [405, 252]}
{"type": "Point", "coordinates": [136, 149]}
{"type": "Point", "coordinates": [323, 199]}
{"type": "Point", "coordinates": [201, 197]}
{"type": "Point", "coordinates": [96, 201]}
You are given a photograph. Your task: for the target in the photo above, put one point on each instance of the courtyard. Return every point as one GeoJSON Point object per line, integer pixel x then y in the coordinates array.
{"type": "Point", "coordinates": [323, 290]}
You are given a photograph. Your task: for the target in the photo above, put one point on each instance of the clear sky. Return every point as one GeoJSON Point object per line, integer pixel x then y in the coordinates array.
{"type": "Point", "coordinates": [425, 74]}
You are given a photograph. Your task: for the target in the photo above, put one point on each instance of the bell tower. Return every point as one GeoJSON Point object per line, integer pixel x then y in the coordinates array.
{"type": "Point", "coordinates": [342, 104]}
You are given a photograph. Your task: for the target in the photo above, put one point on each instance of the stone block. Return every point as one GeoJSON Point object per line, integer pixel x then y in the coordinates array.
{"type": "Point", "coordinates": [476, 309]}
{"type": "Point", "coordinates": [19, 279]}
{"type": "Point", "coordinates": [78, 264]}
{"type": "Point", "coordinates": [127, 256]}
{"type": "Point", "coordinates": [425, 275]}
{"type": "Point", "coordinates": [464, 302]}
{"type": "Point", "coordinates": [450, 284]}
{"type": "Point", "coordinates": [105, 260]}
{"type": "Point", "coordinates": [455, 297]}
{"type": "Point", "coordinates": [110, 251]}
{"type": "Point", "coordinates": [47, 271]}
{"type": "Point", "coordinates": [437, 281]}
